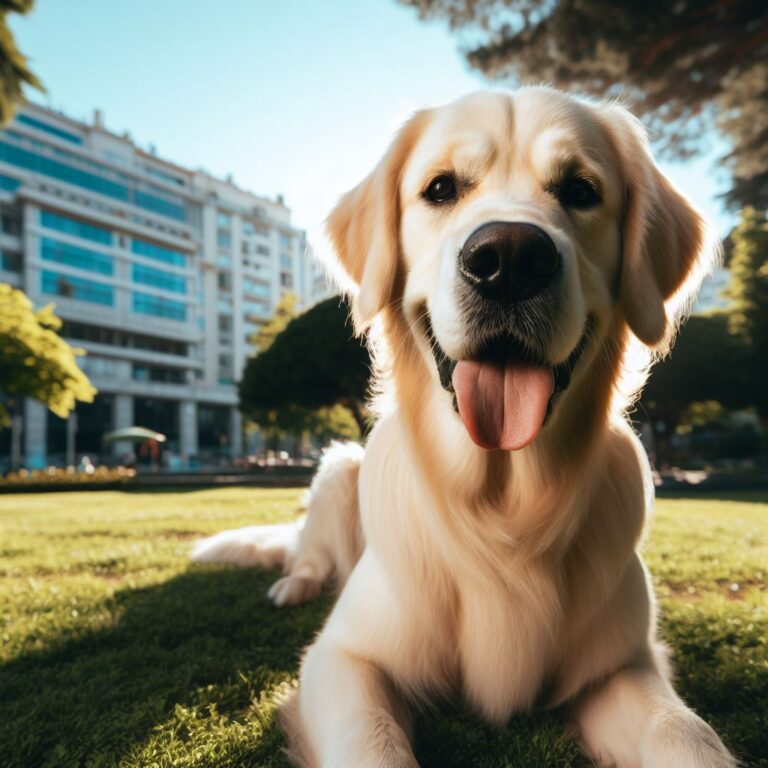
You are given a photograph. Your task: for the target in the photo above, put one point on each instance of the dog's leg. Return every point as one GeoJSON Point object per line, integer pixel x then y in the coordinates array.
{"type": "Point", "coordinates": [350, 714]}
{"type": "Point", "coordinates": [323, 545]}
{"type": "Point", "coordinates": [636, 720]}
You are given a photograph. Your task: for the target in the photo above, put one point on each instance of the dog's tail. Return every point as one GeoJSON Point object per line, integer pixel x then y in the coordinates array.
{"type": "Point", "coordinates": [325, 541]}
{"type": "Point", "coordinates": [258, 546]}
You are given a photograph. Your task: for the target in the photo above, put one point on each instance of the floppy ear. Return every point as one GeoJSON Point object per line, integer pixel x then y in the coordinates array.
{"type": "Point", "coordinates": [666, 248]}
{"type": "Point", "coordinates": [364, 228]}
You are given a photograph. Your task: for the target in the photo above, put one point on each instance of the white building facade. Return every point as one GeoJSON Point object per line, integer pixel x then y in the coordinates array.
{"type": "Point", "coordinates": [160, 273]}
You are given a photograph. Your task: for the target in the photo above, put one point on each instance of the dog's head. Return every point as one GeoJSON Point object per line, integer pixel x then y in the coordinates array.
{"type": "Point", "coordinates": [513, 234]}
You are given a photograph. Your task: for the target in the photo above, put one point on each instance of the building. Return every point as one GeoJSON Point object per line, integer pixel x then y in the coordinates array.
{"type": "Point", "coordinates": [159, 272]}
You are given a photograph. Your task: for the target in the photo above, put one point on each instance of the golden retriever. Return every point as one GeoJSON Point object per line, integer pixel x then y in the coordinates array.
{"type": "Point", "coordinates": [511, 254]}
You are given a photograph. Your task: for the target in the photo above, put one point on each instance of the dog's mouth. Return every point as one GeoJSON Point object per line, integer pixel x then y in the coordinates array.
{"type": "Point", "coordinates": [504, 391]}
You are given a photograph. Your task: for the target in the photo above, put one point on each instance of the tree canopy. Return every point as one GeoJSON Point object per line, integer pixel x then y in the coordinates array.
{"type": "Point", "coordinates": [314, 362]}
{"type": "Point", "coordinates": [748, 290]}
{"type": "Point", "coordinates": [14, 70]}
{"type": "Point", "coordinates": [34, 360]}
{"type": "Point", "coordinates": [684, 66]}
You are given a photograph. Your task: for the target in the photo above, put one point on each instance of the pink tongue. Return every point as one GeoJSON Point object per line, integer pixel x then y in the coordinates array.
{"type": "Point", "coordinates": [502, 406]}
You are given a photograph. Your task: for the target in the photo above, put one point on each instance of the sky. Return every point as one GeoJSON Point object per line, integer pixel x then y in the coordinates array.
{"type": "Point", "coordinates": [291, 97]}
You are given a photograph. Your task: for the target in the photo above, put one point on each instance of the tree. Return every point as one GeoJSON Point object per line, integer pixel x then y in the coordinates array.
{"type": "Point", "coordinates": [14, 70]}
{"type": "Point", "coordinates": [685, 66]}
{"type": "Point", "coordinates": [748, 290]}
{"type": "Point", "coordinates": [284, 313]}
{"type": "Point", "coordinates": [709, 362]}
{"type": "Point", "coordinates": [315, 362]}
{"type": "Point", "coordinates": [34, 360]}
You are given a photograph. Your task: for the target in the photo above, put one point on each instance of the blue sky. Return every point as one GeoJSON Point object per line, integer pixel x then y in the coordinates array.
{"type": "Point", "coordinates": [298, 97]}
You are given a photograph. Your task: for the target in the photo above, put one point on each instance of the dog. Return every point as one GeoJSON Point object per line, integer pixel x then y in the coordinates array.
{"type": "Point", "coordinates": [518, 259]}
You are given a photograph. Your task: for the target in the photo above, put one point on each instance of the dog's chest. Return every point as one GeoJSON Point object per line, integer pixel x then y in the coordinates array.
{"type": "Point", "coordinates": [506, 641]}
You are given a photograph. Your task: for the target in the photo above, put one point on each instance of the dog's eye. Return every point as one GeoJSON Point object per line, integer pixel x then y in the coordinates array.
{"type": "Point", "coordinates": [441, 189]}
{"type": "Point", "coordinates": [576, 192]}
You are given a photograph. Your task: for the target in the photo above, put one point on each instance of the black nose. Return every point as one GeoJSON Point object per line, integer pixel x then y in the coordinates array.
{"type": "Point", "coordinates": [509, 261]}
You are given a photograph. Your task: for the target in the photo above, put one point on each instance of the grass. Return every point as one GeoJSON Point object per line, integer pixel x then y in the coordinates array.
{"type": "Point", "coordinates": [115, 651]}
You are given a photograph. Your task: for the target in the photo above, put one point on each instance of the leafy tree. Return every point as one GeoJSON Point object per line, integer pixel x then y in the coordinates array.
{"type": "Point", "coordinates": [315, 362]}
{"type": "Point", "coordinates": [34, 360]}
{"type": "Point", "coordinates": [710, 362]}
{"type": "Point", "coordinates": [14, 71]}
{"type": "Point", "coordinates": [284, 313]}
{"type": "Point", "coordinates": [685, 66]}
{"type": "Point", "coordinates": [748, 290]}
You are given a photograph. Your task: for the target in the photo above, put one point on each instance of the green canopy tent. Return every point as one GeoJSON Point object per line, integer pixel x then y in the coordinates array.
{"type": "Point", "coordinates": [134, 435]}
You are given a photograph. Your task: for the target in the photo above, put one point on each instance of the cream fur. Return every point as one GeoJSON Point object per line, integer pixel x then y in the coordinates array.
{"type": "Point", "coordinates": [508, 579]}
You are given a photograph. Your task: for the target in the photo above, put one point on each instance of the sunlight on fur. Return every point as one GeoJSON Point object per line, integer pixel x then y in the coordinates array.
{"type": "Point", "coordinates": [518, 261]}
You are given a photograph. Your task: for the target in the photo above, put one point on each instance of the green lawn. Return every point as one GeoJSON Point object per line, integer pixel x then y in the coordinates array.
{"type": "Point", "coordinates": [117, 651]}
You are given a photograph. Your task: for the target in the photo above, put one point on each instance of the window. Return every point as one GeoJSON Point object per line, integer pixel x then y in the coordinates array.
{"type": "Point", "coordinates": [145, 304]}
{"type": "Point", "coordinates": [263, 250]}
{"type": "Point", "coordinates": [257, 289]}
{"type": "Point", "coordinates": [163, 176]}
{"type": "Point", "coordinates": [225, 281]}
{"type": "Point", "coordinates": [157, 278]}
{"type": "Point", "coordinates": [10, 262]}
{"type": "Point", "coordinates": [76, 288]}
{"type": "Point", "coordinates": [7, 184]}
{"type": "Point", "coordinates": [10, 221]}
{"type": "Point", "coordinates": [158, 252]}
{"type": "Point", "coordinates": [225, 323]}
{"type": "Point", "coordinates": [99, 178]}
{"type": "Point", "coordinates": [173, 210]}
{"type": "Point", "coordinates": [74, 256]}
{"type": "Point", "coordinates": [33, 122]}
{"type": "Point", "coordinates": [100, 335]}
{"type": "Point", "coordinates": [286, 280]}
{"type": "Point", "coordinates": [285, 241]}
{"type": "Point", "coordinates": [158, 373]}
{"type": "Point", "coordinates": [224, 260]}
{"type": "Point", "coordinates": [248, 228]}
{"type": "Point", "coordinates": [75, 227]}
{"type": "Point", "coordinates": [223, 220]}
{"type": "Point", "coordinates": [98, 366]}
{"type": "Point", "coordinates": [286, 261]}
{"type": "Point", "coordinates": [224, 239]}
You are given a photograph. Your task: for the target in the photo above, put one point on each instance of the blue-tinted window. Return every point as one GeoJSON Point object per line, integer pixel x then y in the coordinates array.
{"type": "Point", "coordinates": [145, 304]}
{"type": "Point", "coordinates": [286, 261]}
{"type": "Point", "coordinates": [10, 262]}
{"type": "Point", "coordinates": [152, 251]}
{"type": "Point", "coordinates": [76, 288]}
{"type": "Point", "coordinates": [37, 163]}
{"type": "Point", "coordinates": [75, 227]}
{"type": "Point", "coordinates": [9, 184]}
{"type": "Point", "coordinates": [159, 205]}
{"type": "Point", "coordinates": [157, 278]}
{"type": "Point", "coordinates": [257, 289]}
{"type": "Point", "coordinates": [48, 167]}
{"type": "Point", "coordinates": [74, 256]}
{"type": "Point", "coordinates": [48, 128]}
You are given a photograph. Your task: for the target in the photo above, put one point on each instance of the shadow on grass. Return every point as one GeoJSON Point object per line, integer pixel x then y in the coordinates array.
{"type": "Point", "coordinates": [208, 640]}
{"type": "Point", "coordinates": [207, 637]}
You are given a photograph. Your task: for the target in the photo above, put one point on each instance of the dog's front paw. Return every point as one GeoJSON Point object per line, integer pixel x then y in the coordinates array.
{"type": "Point", "coordinates": [683, 740]}
{"type": "Point", "coordinates": [292, 590]}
